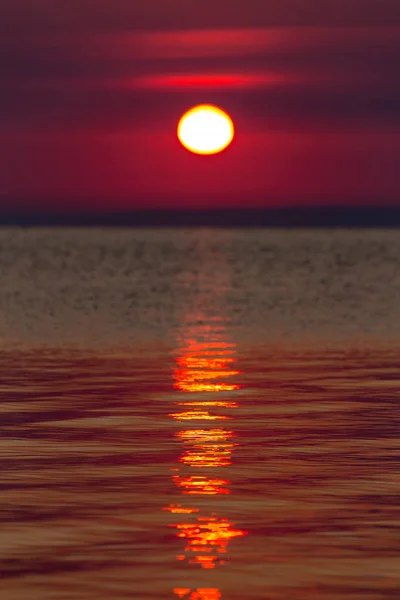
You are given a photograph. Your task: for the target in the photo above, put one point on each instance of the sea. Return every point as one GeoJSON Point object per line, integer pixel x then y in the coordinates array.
{"type": "Point", "coordinates": [199, 414]}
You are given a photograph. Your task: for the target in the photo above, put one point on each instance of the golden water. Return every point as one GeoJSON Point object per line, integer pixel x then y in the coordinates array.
{"type": "Point", "coordinates": [220, 462]}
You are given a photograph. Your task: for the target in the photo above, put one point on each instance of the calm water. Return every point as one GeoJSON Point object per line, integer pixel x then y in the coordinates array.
{"type": "Point", "coordinates": [199, 415]}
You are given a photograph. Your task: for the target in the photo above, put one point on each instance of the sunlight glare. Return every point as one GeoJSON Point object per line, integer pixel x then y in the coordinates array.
{"type": "Point", "coordinates": [205, 129]}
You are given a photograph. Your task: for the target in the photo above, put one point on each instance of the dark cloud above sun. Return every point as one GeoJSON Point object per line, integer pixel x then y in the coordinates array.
{"type": "Point", "coordinates": [118, 79]}
{"type": "Point", "coordinates": [127, 15]}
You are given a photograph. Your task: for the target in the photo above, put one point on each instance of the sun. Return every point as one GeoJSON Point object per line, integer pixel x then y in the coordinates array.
{"type": "Point", "coordinates": [205, 129]}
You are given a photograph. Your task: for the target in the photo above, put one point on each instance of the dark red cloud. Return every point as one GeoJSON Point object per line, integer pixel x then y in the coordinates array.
{"type": "Point", "coordinates": [109, 80]}
{"type": "Point", "coordinates": [44, 16]}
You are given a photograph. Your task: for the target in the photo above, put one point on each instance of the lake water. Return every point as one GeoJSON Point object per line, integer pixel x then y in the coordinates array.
{"type": "Point", "coordinates": [199, 414]}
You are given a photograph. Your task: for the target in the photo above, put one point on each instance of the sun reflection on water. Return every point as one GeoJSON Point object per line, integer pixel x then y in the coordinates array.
{"type": "Point", "coordinates": [199, 594]}
{"type": "Point", "coordinates": [204, 366]}
{"type": "Point", "coordinates": [202, 485]}
{"type": "Point", "coordinates": [205, 362]}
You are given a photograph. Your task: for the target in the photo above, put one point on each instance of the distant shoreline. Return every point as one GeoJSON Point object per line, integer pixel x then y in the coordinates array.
{"type": "Point", "coordinates": [288, 217]}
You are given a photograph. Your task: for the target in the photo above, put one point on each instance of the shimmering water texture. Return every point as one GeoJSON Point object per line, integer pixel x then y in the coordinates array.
{"type": "Point", "coordinates": [212, 465]}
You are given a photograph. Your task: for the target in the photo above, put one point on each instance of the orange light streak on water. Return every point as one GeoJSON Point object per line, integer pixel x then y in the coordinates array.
{"type": "Point", "coordinates": [205, 363]}
{"type": "Point", "coordinates": [202, 485]}
{"type": "Point", "coordinates": [199, 594]}
{"type": "Point", "coordinates": [207, 539]}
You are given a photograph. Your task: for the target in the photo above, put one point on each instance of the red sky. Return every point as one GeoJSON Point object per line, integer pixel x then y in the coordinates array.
{"type": "Point", "coordinates": [91, 94]}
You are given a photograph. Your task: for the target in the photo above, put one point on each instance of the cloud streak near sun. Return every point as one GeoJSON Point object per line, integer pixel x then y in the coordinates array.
{"type": "Point", "coordinates": [322, 73]}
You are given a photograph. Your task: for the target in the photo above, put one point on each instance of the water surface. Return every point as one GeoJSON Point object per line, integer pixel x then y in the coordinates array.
{"type": "Point", "coordinates": [197, 453]}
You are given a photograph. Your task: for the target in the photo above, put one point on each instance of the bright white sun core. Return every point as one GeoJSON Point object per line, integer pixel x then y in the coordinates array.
{"type": "Point", "coordinates": [205, 129]}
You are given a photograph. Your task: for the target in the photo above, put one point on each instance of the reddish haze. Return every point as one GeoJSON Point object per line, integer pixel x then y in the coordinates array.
{"type": "Point", "coordinates": [88, 120]}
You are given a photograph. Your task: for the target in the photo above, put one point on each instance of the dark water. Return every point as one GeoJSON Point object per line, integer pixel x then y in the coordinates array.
{"type": "Point", "coordinates": [229, 432]}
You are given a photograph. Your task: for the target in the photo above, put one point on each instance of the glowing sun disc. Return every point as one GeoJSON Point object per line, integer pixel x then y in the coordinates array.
{"type": "Point", "coordinates": [205, 129]}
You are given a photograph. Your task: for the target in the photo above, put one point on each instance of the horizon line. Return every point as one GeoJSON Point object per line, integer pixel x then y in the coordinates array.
{"type": "Point", "coordinates": [371, 216]}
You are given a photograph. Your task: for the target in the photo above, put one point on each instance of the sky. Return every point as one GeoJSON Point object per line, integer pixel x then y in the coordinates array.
{"type": "Point", "coordinates": [91, 93]}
